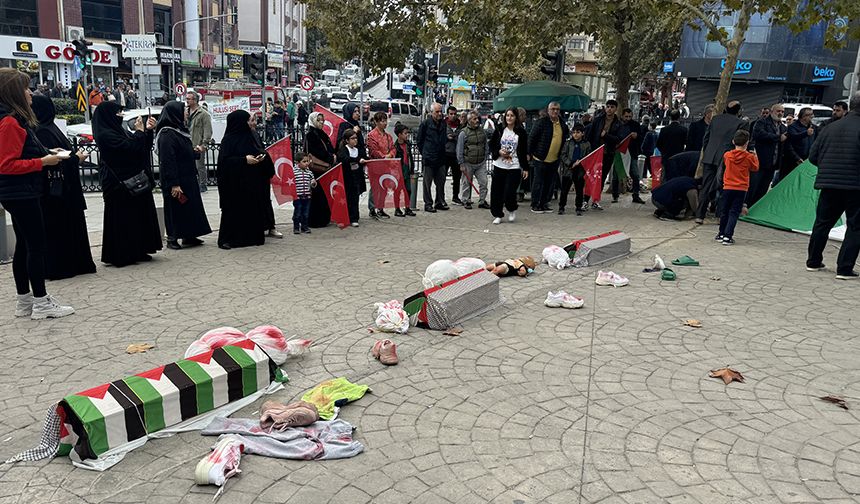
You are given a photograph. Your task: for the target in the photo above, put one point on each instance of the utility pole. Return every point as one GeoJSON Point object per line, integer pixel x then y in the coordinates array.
{"type": "Point", "coordinates": [852, 88]}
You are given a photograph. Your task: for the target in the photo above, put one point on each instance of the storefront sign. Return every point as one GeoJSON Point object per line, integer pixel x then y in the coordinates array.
{"type": "Point", "coordinates": [234, 63]}
{"type": "Point", "coordinates": [220, 111]}
{"type": "Point", "coordinates": [207, 60]}
{"type": "Point", "coordinates": [823, 74]}
{"type": "Point", "coordinates": [741, 67]}
{"type": "Point", "coordinates": [53, 51]}
{"type": "Point", "coordinates": [168, 56]}
{"type": "Point", "coordinates": [668, 66]}
{"type": "Point", "coordinates": [297, 57]}
{"type": "Point", "coordinates": [138, 46]}
{"type": "Point", "coordinates": [275, 55]}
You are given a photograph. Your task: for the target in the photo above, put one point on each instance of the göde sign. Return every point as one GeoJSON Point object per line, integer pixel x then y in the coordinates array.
{"type": "Point", "coordinates": [138, 46]}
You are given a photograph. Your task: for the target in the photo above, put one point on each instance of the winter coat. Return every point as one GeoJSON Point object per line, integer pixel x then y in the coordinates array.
{"type": "Point", "coordinates": [836, 152]}
{"type": "Point", "coordinates": [768, 146]}
{"type": "Point", "coordinates": [540, 137]}
{"type": "Point", "coordinates": [671, 140]}
{"type": "Point", "coordinates": [432, 137]}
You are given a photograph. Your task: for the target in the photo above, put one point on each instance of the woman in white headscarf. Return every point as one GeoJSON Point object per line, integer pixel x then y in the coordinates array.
{"type": "Point", "coordinates": [319, 146]}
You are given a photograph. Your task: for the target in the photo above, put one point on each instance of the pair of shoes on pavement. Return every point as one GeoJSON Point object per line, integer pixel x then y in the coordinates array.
{"type": "Point", "coordinates": [40, 308]}
{"type": "Point", "coordinates": [611, 278]}
{"type": "Point", "coordinates": [725, 240]}
{"type": "Point", "coordinates": [442, 207]}
{"type": "Point", "coordinates": [385, 351]}
{"type": "Point", "coordinates": [852, 275]}
{"type": "Point", "coordinates": [562, 299]}
{"type": "Point", "coordinates": [512, 217]}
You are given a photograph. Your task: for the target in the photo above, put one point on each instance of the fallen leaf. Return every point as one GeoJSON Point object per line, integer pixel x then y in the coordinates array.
{"type": "Point", "coordinates": [383, 261]}
{"type": "Point", "coordinates": [138, 348]}
{"type": "Point", "coordinates": [692, 323]}
{"type": "Point", "coordinates": [715, 278]}
{"type": "Point", "coordinates": [728, 375]}
{"type": "Point", "coordinates": [835, 400]}
{"type": "Point", "coordinates": [454, 331]}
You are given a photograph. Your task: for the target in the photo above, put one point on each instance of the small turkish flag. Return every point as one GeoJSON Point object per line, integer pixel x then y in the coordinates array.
{"type": "Point", "coordinates": [284, 181]}
{"type": "Point", "coordinates": [335, 191]}
{"type": "Point", "coordinates": [656, 171]}
{"type": "Point", "coordinates": [332, 123]}
{"type": "Point", "coordinates": [386, 181]}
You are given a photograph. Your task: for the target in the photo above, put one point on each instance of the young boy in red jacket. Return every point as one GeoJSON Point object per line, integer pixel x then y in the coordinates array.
{"type": "Point", "coordinates": [736, 181]}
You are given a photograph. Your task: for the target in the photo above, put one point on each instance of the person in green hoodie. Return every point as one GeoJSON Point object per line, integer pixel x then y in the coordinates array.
{"type": "Point", "coordinates": [570, 169]}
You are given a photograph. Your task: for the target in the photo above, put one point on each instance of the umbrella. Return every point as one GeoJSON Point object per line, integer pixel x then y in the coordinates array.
{"type": "Point", "coordinates": [536, 95]}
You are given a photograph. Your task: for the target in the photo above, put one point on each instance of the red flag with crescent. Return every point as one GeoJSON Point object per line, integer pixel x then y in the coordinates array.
{"type": "Point", "coordinates": [656, 171]}
{"type": "Point", "coordinates": [335, 191]}
{"type": "Point", "coordinates": [332, 123]}
{"type": "Point", "coordinates": [284, 181]}
{"type": "Point", "coordinates": [386, 181]}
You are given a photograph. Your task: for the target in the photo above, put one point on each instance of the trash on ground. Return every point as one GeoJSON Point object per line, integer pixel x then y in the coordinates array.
{"type": "Point", "coordinates": [657, 265]}
{"type": "Point", "coordinates": [453, 331]}
{"type": "Point", "coordinates": [692, 323]}
{"type": "Point", "coordinates": [390, 317]}
{"type": "Point", "coordinates": [835, 400]}
{"type": "Point", "coordinates": [556, 257]}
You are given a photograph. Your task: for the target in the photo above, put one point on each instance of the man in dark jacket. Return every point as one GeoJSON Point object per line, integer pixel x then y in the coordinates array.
{"type": "Point", "coordinates": [630, 127]}
{"type": "Point", "coordinates": [545, 142]}
{"type": "Point", "coordinates": [840, 108]}
{"type": "Point", "coordinates": [605, 130]}
{"type": "Point", "coordinates": [432, 137]}
{"type": "Point", "coordinates": [717, 141]}
{"type": "Point", "coordinates": [836, 152]}
{"type": "Point", "coordinates": [453, 131]}
{"type": "Point", "coordinates": [801, 136]}
{"type": "Point", "coordinates": [769, 135]}
{"type": "Point", "coordinates": [697, 130]}
{"type": "Point", "coordinates": [673, 137]}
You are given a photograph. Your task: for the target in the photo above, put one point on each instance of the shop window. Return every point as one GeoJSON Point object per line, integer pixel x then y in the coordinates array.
{"type": "Point", "coordinates": [19, 17]}
{"type": "Point", "coordinates": [102, 18]}
{"type": "Point", "coordinates": [163, 24]}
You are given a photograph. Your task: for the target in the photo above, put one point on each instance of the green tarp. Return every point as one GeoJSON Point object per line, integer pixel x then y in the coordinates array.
{"type": "Point", "coordinates": [536, 95]}
{"type": "Point", "coordinates": [791, 204]}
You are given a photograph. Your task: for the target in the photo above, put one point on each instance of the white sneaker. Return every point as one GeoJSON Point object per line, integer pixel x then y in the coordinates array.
{"type": "Point", "coordinates": [497, 220]}
{"type": "Point", "coordinates": [610, 278]}
{"type": "Point", "coordinates": [512, 217]}
{"type": "Point", "coordinates": [222, 463]}
{"type": "Point", "coordinates": [659, 264]}
{"type": "Point", "coordinates": [564, 299]}
{"type": "Point", "coordinates": [24, 305]}
{"type": "Point", "coordinates": [48, 307]}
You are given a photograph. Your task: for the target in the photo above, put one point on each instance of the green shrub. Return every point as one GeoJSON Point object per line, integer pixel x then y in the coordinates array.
{"type": "Point", "coordinates": [71, 118]}
{"type": "Point", "coordinates": [65, 106]}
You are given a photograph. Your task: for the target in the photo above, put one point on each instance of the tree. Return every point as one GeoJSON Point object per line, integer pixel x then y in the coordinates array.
{"type": "Point", "coordinates": [318, 49]}
{"type": "Point", "coordinates": [796, 15]}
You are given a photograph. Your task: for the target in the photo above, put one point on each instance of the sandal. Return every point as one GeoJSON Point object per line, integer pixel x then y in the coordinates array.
{"type": "Point", "coordinates": [385, 351]}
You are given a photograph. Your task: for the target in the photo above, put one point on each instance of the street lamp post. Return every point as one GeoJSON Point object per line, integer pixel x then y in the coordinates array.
{"type": "Point", "coordinates": [173, 43]}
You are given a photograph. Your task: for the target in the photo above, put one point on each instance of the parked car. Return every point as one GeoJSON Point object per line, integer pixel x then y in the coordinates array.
{"type": "Point", "coordinates": [338, 100]}
{"type": "Point", "coordinates": [820, 113]}
{"type": "Point", "coordinates": [398, 111]}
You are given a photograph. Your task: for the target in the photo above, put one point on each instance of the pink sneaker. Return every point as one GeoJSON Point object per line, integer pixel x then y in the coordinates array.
{"type": "Point", "coordinates": [561, 298]}
{"type": "Point", "coordinates": [610, 278]}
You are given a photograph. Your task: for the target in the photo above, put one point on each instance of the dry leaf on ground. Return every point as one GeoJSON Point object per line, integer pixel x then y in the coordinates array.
{"type": "Point", "coordinates": [836, 400]}
{"type": "Point", "coordinates": [138, 348]}
{"type": "Point", "coordinates": [383, 261]}
{"type": "Point", "coordinates": [728, 375]}
{"type": "Point", "coordinates": [454, 331]}
{"type": "Point", "coordinates": [715, 278]}
{"type": "Point", "coordinates": [692, 323]}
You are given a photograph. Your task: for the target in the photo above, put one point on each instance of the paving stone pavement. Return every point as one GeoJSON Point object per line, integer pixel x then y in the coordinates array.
{"type": "Point", "coordinates": [499, 413]}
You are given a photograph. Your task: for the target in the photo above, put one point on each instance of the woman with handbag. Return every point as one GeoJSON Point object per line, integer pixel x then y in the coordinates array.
{"type": "Point", "coordinates": [130, 230]}
{"type": "Point", "coordinates": [318, 145]}
{"type": "Point", "coordinates": [68, 253]}
{"type": "Point", "coordinates": [22, 159]}
{"type": "Point", "coordinates": [184, 216]}
{"type": "Point", "coordinates": [243, 167]}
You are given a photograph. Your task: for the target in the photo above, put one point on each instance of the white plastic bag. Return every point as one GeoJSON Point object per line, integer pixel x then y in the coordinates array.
{"type": "Point", "coordinates": [439, 272]}
{"type": "Point", "coordinates": [390, 317]}
{"type": "Point", "coordinates": [556, 257]}
{"type": "Point", "coordinates": [466, 265]}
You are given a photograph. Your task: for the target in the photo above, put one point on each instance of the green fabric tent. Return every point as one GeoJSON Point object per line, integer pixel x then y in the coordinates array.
{"type": "Point", "coordinates": [791, 205]}
{"type": "Point", "coordinates": [536, 95]}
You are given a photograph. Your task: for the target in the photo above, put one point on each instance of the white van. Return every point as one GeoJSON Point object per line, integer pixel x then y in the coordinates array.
{"type": "Point", "coordinates": [820, 113]}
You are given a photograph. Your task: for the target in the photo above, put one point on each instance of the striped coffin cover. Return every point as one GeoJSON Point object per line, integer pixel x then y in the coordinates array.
{"type": "Point", "coordinates": [454, 302]}
{"type": "Point", "coordinates": [113, 414]}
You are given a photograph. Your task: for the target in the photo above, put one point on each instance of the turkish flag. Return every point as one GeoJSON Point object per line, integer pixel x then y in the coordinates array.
{"type": "Point", "coordinates": [335, 191]}
{"type": "Point", "coordinates": [332, 123]}
{"type": "Point", "coordinates": [386, 181]}
{"type": "Point", "coordinates": [284, 181]}
{"type": "Point", "coordinates": [593, 165]}
{"type": "Point", "coordinates": [656, 171]}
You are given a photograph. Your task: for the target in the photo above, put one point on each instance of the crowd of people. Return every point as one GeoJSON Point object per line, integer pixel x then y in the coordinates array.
{"type": "Point", "coordinates": [720, 156]}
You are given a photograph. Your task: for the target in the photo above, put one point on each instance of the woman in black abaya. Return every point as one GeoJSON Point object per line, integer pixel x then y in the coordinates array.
{"type": "Point", "coordinates": [184, 216]}
{"type": "Point", "coordinates": [130, 227]}
{"type": "Point", "coordinates": [68, 246]}
{"type": "Point", "coordinates": [244, 170]}
{"type": "Point", "coordinates": [319, 146]}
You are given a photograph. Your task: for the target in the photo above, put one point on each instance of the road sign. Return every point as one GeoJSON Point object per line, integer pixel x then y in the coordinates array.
{"type": "Point", "coordinates": [82, 98]}
{"type": "Point", "coordinates": [307, 82]}
{"type": "Point", "coordinates": [138, 46]}
{"type": "Point", "coordinates": [179, 89]}
{"type": "Point", "coordinates": [668, 67]}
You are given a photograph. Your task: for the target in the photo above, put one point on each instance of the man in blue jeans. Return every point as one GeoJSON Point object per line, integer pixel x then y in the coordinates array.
{"type": "Point", "coordinates": [545, 143]}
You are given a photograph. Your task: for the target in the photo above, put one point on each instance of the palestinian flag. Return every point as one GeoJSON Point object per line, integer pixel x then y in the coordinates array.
{"type": "Point", "coordinates": [113, 414]}
{"type": "Point", "coordinates": [621, 160]}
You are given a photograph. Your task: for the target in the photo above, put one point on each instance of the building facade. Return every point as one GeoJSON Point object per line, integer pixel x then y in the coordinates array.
{"type": "Point", "coordinates": [774, 66]}
{"type": "Point", "coordinates": [581, 54]}
{"type": "Point", "coordinates": [278, 27]}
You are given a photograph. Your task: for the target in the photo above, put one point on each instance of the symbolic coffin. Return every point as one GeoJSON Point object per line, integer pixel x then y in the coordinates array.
{"type": "Point", "coordinates": [598, 249]}
{"type": "Point", "coordinates": [454, 302]}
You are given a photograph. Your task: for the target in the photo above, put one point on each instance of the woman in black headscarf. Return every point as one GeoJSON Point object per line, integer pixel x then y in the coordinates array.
{"type": "Point", "coordinates": [68, 246]}
{"type": "Point", "coordinates": [130, 230]}
{"type": "Point", "coordinates": [244, 170]}
{"type": "Point", "coordinates": [319, 146]}
{"type": "Point", "coordinates": [184, 216]}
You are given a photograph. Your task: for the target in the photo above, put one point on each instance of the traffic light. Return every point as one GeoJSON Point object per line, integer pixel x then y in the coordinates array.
{"type": "Point", "coordinates": [433, 75]}
{"type": "Point", "coordinates": [554, 67]}
{"type": "Point", "coordinates": [419, 77]}
{"type": "Point", "coordinates": [258, 67]}
{"type": "Point", "coordinates": [83, 51]}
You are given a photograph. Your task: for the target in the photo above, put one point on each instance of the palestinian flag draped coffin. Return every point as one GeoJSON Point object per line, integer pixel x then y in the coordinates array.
{"type": "Point", "coordinates": [444, 306]}
{"type": "Point", "coordinates": [104, 417]}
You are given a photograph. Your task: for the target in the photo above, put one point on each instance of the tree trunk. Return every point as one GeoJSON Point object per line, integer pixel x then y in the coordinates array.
{"type": "Point", "coordinates": [622, 69]}
{"type": "Point", "coordinates": [733, 48]}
